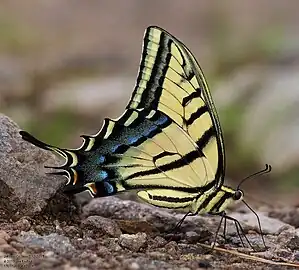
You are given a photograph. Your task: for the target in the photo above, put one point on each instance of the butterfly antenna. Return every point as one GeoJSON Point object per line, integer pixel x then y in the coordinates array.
{"type": "Point", "coordinates": [267, 169]}
{"type": "Point", "coordinates": [258, 221]}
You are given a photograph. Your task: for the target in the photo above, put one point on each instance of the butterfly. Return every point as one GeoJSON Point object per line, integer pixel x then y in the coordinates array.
{"type": "Point", "coordinates": [168, 144]}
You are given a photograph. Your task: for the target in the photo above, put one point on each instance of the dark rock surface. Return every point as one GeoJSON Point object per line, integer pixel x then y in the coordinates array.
{"type": "Point", "coordinates": [40, 229]}
{"type": "Point", "coordinates": [24, 187]}
{"type": "Point", "coordinates": [101, 224]}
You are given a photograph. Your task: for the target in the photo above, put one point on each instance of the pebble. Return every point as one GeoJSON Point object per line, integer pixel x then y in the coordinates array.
{"type": "Point", "coordinates": [172, 248]}
{"type": "Point", "coordinates": [68, 267]}
{"type": "Point", "coordinates": [53, 242]}
{"type": "Point", "coordinates": [4, 235]}
{"type": "Point", "coordinates": [159, 241]}
{"type": "Point", "coordinates": [103, 251]}
{"type": "Point", "coordinates": [8, 249]}
{"type": "Point", "coordinates": [72, 231]}
{"type": "Point", "coordinates": [288, 238]}
{"type": "Point", "coordinates": [204, 264]}
{"type": "Point", "coordinates": [106, 225]}
{"type": "Point", "coordinates": [192, 237]}
{"type": "Point", "coordinates": [18, 246]}
{"type": "Point", "coordinates": [22, 224]}
{"type": "Point", "coordinates": [49, 254]}
{"type": "Point", "coordinates": [157, 255]}
{"type": "Point", "coordinates": [293, 243]}
{"type": "Point", "coordinates": [86, 243]}
{"type": "Point", "coordinates": [134, 266]}
{"type": "Point", "coordinates": [2, 241]}
{"type": "Point", "coordinates": [296, 256]}
{"type": "Point", "coordinates": [133, 242]}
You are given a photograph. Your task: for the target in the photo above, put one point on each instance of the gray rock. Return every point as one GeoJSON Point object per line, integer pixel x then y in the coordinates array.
{"type": "Point", "coordinates": [162, 219]}
{"type": "Point", "coordinates": [192, 237]}
{"type": "Point", "coordinates": [52, 242]}
{"type": "Point", "coordinates": [4, 236]}
{"type": "Point", "coordinates": [269, 225]}
{"type": "Point", "coordinates": [288, 214]}
{"type": "Point", "coordinates": [24, 187]}
{"type": "Point", "coordinates": [105, 225]}
{"type": "Point", "coordinates": [133, 242]}
{"type": "Point", "coordinates": [83, 197]}
{"type": "Point", "coordinates": [289, 238]}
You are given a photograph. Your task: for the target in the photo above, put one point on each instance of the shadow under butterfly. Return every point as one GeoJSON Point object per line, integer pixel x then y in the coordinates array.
{"type": "Point", "coordinates": [167, 145]}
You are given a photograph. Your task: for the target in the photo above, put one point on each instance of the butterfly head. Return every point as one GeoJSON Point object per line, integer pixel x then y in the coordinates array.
{"type": "Point", "coordinates": [238, 195]}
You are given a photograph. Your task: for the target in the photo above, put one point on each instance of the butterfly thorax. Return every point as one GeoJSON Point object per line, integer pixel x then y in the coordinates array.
{"type": "Point", "coordinates": [215, 201]}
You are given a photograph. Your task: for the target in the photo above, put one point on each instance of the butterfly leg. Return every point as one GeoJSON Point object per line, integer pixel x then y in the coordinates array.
{"type": "Point", "coordinates": [178, 225]}
{"type": "Point", "coordinates": [224, 229]}
{"type": "Point", "coordinates": [223, 216]}
{"type": "Point", "coordinates": [240, 228]}
{"type": "Point", "coordinates": [238, 232]}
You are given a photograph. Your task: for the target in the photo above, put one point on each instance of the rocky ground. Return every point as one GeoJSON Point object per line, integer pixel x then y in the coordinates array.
{"type": "Point", "coordinates": [40, 228]}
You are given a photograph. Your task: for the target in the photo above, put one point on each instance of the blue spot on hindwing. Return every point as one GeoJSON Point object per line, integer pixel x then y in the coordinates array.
{"type": "Point", "coordinates": [132, 140]}
{"type": "Point", "coordinates": [103, 175]}
{"type": "Point", "coordinates": [101, 159]}
{"type": "Point", "coordinates": [109, 188]}
{"type": "Point", "coordinates": [115, 147]}
{"type": "Point", "coordinates": [162, 120]}
{"type": "Point", "coordinates": [149, 131]}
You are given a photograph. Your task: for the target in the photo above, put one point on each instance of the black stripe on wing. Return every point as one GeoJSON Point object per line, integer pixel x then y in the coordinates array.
{"type": "Point", "coordinates": [183, 161]}
{"type": "Point", "coordinates": [194, 116]}
{"type": "Point", "coordinates": [205, 138]}
{"type": "Point", "coordinates": [200, 190]}
{"type": "Point", "coordinates": [173, 199]}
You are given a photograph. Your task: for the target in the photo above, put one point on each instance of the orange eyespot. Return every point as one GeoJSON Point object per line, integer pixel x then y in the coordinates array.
{"type": "Point", "coordinates": [92, 188]}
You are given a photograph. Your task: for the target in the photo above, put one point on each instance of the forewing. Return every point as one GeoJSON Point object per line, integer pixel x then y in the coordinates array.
{"type": "Point", "coordinates": [171, 81]}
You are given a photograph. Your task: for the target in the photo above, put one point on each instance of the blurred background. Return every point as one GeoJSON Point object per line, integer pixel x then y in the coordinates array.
{"type": "Point", "coordinates": [66, 65]}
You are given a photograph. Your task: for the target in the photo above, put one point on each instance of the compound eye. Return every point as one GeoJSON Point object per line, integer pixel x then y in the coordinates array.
{"type": "Point", "coordinates": [238, 195]}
